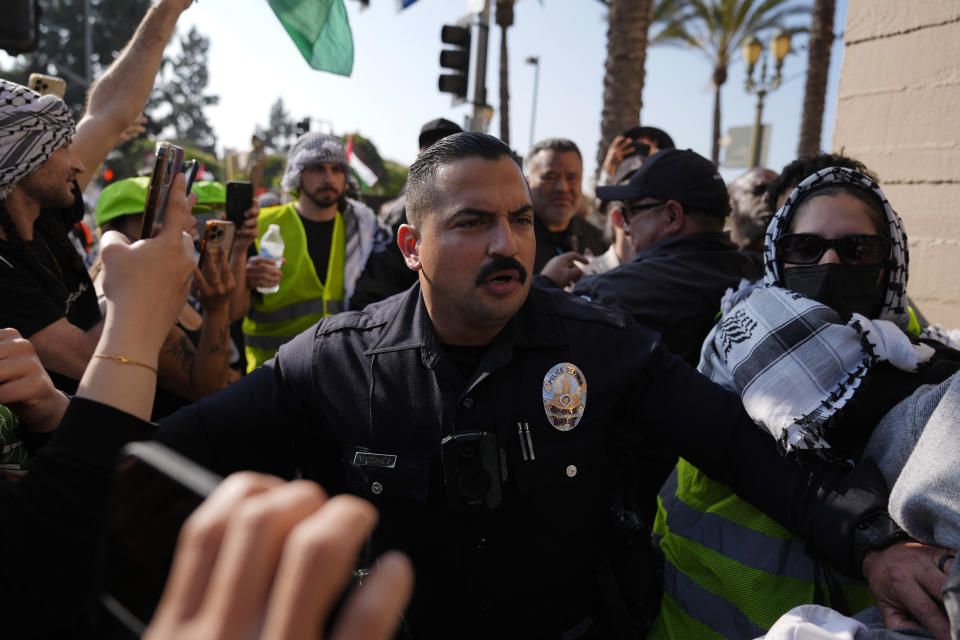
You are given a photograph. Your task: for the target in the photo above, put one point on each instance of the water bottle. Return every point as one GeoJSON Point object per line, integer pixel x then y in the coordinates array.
{"type": "Point", "coordinates": [271, 246]}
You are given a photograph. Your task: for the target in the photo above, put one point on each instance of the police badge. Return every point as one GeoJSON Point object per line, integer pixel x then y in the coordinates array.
{"type": "Point", "coordinates": [564, 396]}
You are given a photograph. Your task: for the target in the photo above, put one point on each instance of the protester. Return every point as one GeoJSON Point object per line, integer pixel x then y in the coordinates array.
{"type": "Point", "coordinates": [626, 153]}
{"type": "Point", "coordinates": [386, 402]}
{"type": "Point", "coordinates": [327, 241]}
{"type": "Point", "coordinates": [621, 249]}
{"type": "Point", "coordinates": [554, 171]}
{"type": "Point", "coordinates": [819, 352]}
{"type": "Point", "coordinates": [385, 273]}
{"type": "Point", "coordinates": [749, 211]}
{"type": "Point", "coordinates": [44, 165]}
{"type": "Point", "coordinates": [195, 358]}
{"type": "Point", "coordinates": [53, 517]}
{"type": "Point", "coordinates": [674, 210]}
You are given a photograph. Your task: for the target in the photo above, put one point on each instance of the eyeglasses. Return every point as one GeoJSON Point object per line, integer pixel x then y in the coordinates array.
{"type": "Point", "coordinates": [630, 209]}
{"type": "Point", "coordinates": [854, 249]}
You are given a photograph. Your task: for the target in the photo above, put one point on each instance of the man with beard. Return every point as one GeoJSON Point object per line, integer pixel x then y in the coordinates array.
{"type": "Point", "coordinates": [45, 163]}
{"type": "Point", "coordinates": [460, 408]}
{"type": "Point", "coordinates": [327, 239]}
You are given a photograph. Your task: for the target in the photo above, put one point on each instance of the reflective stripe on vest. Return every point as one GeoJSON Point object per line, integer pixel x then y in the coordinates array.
{"type": "Point", "coordinates": [729, 567]}
{"type": "Point", "coordinates": [289, 312]}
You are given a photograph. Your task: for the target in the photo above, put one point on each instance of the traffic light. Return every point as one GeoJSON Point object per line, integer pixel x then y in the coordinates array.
{"type": "Point", "coordinates": [456, 59]}
{"type": "Point", "coordinates": [18, 30]}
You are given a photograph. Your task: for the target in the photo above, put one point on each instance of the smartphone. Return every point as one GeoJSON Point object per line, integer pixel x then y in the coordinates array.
{"type": "Point", "coordinates": [166, 165]}
{"type": "Point", "coordinates": [190, 168]}
{"type": "Point", "coordinates": [239, 200]}
{"type": "Point", "coordinates": [47, 84]}
{"type": "Point", "coordinates": [155, 490]}
{"type": "Point", "coordinates": [217, 240]}
{"type": "Point", "coordinates": [641, 149]}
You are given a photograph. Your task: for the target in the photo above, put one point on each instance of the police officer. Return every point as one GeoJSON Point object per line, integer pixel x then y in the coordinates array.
{"type": "Point", "coordinates": [481, 416]}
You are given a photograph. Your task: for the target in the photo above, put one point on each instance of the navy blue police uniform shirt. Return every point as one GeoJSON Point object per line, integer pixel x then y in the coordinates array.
{"type": "Point", "coordinates": [379, 381]}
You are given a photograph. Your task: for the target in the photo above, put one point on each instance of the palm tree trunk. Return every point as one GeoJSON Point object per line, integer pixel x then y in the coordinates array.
{"type": "Point", "coordinates": [627, 25]}
{"type": "Point", "coordinates": [504, 18]}
{"type": "Point", "coordinates": [719, 78]}
{"type": "Point", "coordinates": [818, 62]}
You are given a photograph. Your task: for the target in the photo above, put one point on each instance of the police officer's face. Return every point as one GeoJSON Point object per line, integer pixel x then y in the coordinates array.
{"type": "Point", "coordinates": [475, 249]}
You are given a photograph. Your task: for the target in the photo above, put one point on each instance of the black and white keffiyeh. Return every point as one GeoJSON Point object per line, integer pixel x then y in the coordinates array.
{"type": "Point", "coordinates": [32, 127]}
{"type": "Point", "coordinates": [310, 149]}
{"type": "Point", "coordinates": [793, 360]}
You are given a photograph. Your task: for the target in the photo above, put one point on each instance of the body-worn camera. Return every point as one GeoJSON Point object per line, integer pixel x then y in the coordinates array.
{"type": "Point", "coordinates": [471, 471]}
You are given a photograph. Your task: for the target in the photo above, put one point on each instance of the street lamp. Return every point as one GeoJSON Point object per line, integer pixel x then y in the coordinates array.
{"type": "Point", "coordinates": [535, 61]}
{"type": "Point", "coordinates": [753, 51]}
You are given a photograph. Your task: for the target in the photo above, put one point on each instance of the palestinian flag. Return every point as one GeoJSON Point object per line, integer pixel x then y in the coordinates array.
{"type": "Point", "coordinates": [364, 174]}
{"type": "Point", "coordinates": [321, 31]}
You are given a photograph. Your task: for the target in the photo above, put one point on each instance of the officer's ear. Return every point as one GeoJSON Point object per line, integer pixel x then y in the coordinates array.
{"type": "Point", "coordinates": [408, 239]}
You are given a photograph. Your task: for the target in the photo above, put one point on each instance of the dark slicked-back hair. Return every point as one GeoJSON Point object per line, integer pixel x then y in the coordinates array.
{"type": "Point", "coordinates": [552, 144]}
{"type": "Point", "coordinates": [795, 173]}
{"type": "Point", "coordinates": [422, 188]}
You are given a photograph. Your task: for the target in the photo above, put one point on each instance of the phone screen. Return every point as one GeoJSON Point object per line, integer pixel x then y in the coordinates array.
{"type": "Point", "coordinates": [239, 199]}
{"type": "Point", "coordinates": [155, 490]}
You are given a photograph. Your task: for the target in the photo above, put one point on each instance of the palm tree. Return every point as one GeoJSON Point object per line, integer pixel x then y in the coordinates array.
{"type": "Point", "coordinates": [504, 19]}
{"type": "Point", "coordinates": [718, 28]}
{"type": "Point", "coordinates": [818, 61]}
{"type": "Point", "coordinates": [627, 24]}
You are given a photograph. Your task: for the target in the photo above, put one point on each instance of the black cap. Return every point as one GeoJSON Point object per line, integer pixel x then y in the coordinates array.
{"type": "Point", "coordinates": [675, 174]}
{"type": "Point", "coordinates": [435, 130]}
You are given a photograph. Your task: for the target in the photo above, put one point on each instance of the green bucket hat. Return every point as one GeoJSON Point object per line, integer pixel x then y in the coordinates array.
{"type": "Point", "coordinates": [122, 198]}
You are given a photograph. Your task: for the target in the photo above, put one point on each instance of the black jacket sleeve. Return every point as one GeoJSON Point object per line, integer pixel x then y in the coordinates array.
{"type": "Point", "coordinates": [53, 519]}
{"type": "Point", "coordinates": [707, 425]}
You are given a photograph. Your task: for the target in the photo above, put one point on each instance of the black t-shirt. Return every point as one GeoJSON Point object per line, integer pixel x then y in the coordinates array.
{"type": "Point", "coordinates": [319, 235]}
{"type": "Point", "coordinates": [47, 282]}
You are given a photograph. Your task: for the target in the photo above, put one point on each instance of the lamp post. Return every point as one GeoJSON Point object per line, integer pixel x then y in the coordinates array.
{"type": "Point", "coordinates": [753, 51]}
{"type": "Point", "coordinates": [535, 61]}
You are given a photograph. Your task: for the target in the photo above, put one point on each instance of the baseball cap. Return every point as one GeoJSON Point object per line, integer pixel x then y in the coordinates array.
{"type": "Point", "coordinates": [675, 174]}
{"type": "Point", "coordinates": [209, 192]}
{"type": "Point", "coordinates": [436, 129]}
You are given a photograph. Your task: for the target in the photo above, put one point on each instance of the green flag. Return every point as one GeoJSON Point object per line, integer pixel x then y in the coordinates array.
{"type": "Point", "coordinates": [321, 31]}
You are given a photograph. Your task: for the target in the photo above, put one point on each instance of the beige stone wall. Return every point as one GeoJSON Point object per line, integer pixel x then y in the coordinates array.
{"type": "Point", "coordinates": [898, 111]}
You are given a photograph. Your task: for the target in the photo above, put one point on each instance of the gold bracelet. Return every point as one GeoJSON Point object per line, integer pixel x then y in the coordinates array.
{"type": "Point", "coordinates": [123, 360]}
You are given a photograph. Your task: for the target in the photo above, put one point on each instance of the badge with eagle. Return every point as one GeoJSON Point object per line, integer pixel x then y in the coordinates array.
{"type": "Point", "coordinates": [564, 396]}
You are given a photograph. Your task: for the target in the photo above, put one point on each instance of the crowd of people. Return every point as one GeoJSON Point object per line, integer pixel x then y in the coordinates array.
{"type": "Point", "coordinates": [400, 406]}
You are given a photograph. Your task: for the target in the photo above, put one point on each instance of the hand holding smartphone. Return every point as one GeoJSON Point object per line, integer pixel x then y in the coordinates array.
{"type": "Point", "coordinates": [166, 165]}
{"type": "Point", "coordinates": [239, 200]}
{"type": "Point", "coordinates": [217, 240]}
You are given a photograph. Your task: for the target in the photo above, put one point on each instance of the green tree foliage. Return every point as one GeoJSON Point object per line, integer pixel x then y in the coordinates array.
{"type": "Point", "coordinates": [179, 98]}
{"type": "Point", "coordinates": [718, 28]}
{"type": "Point", "coordinates": [281, 129]}
{"type": "Point", "coordinates": [60, 51]}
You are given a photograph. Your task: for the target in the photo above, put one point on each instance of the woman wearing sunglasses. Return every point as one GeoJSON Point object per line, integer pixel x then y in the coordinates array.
{"type": "Point", "coordinates": [819, 351]}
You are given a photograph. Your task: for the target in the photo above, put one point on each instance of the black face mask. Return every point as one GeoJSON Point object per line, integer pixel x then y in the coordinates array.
{"type": "Point", "coordinates": [845, 288]}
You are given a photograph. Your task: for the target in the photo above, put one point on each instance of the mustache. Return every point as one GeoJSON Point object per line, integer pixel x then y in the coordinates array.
{"type": "Point", "coordinates": [501, 263]}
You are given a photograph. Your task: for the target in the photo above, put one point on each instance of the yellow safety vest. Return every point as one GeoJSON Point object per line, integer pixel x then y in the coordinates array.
{"type": "Point", "coordinates": [302, 300]}
{"type": "Point", "coordinates": [730, 570]}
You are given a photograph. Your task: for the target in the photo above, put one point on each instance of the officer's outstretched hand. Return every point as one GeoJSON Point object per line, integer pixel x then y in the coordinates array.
{"type": "Point", "coordinates": [906, 583]}
{"type": "Point", "coordinates": [264, 558]}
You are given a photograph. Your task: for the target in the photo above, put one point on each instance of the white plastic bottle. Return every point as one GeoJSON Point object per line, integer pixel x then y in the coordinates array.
{"type": "Point", "coordinates": [271, 246]}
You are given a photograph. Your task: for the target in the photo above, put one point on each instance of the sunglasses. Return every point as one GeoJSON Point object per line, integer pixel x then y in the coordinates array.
{"type": "Point", "coordinates": [629, 208]}
{"type": "Point", "coordinates": [854, 249]}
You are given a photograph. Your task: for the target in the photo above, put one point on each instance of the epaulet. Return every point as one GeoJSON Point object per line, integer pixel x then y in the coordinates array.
{"type": "Point", "coordinates": [349, 320]}
{"type": "Point", "coordinates": [560, 303]}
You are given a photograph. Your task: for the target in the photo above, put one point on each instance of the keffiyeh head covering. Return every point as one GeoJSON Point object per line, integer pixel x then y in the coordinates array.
{"type": "Point", "coordinates": [32, 127]}
{"type": "Point", "coordinates": [310, 149]}
{"type": "Point", "coordinates": [793, 360]}
{"type": "Point", "coordinates": [894, 305]}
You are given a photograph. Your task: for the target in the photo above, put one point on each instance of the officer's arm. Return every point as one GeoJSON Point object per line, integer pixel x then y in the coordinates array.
{"type": "Point", "coordinates": [258, 423]}
{"type": "Point", "coordinates": [707, 425]}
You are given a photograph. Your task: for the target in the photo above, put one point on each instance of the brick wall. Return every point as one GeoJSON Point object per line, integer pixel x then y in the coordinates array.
{"type": "Point", "coordinates": [898, 111]}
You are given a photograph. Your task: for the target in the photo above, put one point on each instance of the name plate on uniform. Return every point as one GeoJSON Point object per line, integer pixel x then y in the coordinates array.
{"type": "Point", "coordinates": [381, 460]}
